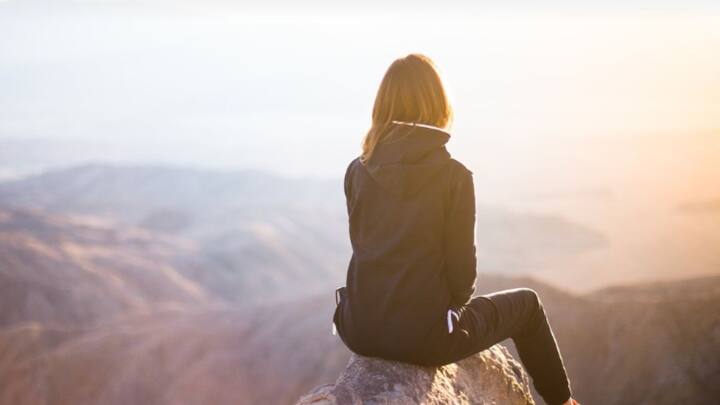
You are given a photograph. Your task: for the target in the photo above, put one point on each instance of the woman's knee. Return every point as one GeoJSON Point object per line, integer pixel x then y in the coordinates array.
{"type": "Point", "coordinates": [533, 313]}
{"type": "Point", "coordinates": [531, 297]}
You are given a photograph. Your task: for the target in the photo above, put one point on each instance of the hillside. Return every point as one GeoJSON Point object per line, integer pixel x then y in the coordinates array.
{"type": "Point", "coordinates": [93, 313]}
{"type": "Point", "coordinates": [258, 232]}
{"type": "Point", "coordinates": [237, 308]}
{"type": "Point", "coordinates": [119, 322]}
{"type": "Point", "coordinates": [649, 343]}
{"type": "Point", "coordinates": [181, 355]}
{"type": "Point", "coordinates": [70, 271]}
{"type": "Point", "coordinates": [261, 232]}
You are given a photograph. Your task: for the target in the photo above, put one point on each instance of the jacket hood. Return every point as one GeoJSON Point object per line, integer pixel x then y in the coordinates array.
{"type": "Point", "coordinates": [408, 157]}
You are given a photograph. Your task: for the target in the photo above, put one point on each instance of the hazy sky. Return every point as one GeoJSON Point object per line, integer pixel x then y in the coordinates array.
{"type": "Point", "coordinates": [232, 86]}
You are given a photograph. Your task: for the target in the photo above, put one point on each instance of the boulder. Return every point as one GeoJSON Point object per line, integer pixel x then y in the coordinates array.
{"type": "Point", "coordinates": [489, 377]}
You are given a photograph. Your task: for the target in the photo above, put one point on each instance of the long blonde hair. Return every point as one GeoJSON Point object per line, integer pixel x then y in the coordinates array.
{"type": "Point", "coordinates": [410, 91]}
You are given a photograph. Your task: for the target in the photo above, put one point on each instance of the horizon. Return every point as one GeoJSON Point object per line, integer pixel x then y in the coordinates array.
{"type": "Point", "coordinates": [151, 83]}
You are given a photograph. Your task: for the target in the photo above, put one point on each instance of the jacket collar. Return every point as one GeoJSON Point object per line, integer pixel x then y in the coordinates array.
{"type": "Point", "coordinates": [408, 156]}
{"type": "Point", "coordinates": [417, 124]}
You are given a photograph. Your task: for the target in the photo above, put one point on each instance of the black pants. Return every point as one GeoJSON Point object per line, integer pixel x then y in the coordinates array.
{"type": "Point", "coordinates": [517, 314]}
{"type": "Point", "coordinates": [489, 319]}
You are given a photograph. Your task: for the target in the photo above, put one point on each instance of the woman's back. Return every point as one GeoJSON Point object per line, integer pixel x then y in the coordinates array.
{"type": "Point", "coordinates": [401, 207]}
{"type": "Point", "coordinates": [412, 274]}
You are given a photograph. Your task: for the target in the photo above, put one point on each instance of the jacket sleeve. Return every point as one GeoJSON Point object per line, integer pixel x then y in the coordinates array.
{"type": "Point", "coordinates": [460, 254]}
{"type": "Point", "coordinates": [347, 185]}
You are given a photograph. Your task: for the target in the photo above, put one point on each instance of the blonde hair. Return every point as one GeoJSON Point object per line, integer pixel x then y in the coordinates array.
{"type": "Point", "coordinates": [410, 91]}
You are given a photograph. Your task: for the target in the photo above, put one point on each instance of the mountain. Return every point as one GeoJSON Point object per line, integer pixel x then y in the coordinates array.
{"type": "Point", "coordinates": [148, 284]}
{"type": "Point", "coordinates": [520, 243]}
{"type": "Point", "coordinates": [99, 313]}
{"type": "Point", "coordinates": [195, 355]}
{"type": "Point", "coordinates": [131, 193]}
{"type": "Point", "coordinates": [60, 270]}
{"type": "Point", "coordinates": [649, 343]}
{"type": "Point", "coordinates": [92, 312]}
{"type": "Point", "coordinates": [619, 352]}
{"type": "Point", "coordinates": [260, 232]}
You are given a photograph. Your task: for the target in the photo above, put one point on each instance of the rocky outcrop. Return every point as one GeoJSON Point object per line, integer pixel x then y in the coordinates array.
{"type": "Point", "coordinates": [489, 377]}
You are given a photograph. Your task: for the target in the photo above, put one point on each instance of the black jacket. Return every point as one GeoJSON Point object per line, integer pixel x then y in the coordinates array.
{"type": "Point", "coordinates": [411, 213]}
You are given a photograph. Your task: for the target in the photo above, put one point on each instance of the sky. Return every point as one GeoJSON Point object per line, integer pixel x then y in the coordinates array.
{"type": "Point", "coordinates": [231, 85]}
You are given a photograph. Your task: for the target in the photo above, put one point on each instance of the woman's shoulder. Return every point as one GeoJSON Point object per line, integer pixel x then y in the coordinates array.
{"type": "Point", "coordinates": [457, 168]}
{"type": "Point", "coordinates": [352, 166]}
{"type": "Point", "coordinates": [355, 161]}
{"type": "Point", "coordinates": [348, 178]}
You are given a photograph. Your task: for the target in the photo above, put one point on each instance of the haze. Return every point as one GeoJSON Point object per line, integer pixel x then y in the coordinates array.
{"type": "Point", "coordinates": [602, 116]}
{"type": "Point", "coordinates": [291, 90]}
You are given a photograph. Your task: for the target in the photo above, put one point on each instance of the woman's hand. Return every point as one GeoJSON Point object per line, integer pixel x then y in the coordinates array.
{"type": "Point", "coordinates": [571, 402]}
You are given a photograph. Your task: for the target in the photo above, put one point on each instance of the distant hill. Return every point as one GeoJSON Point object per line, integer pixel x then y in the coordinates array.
{"type": "Point", "coordinates": [525, 243]}
{"type": "Point", "coordinates": [648, 343]}
{"type": "Point", "coordinates": [663, 350]}
{"type": "Point", "coordinates": [99, 313]}
{"type": "Point", "coordinates": [665, 353]}
{"type": "Point", "coordinates": [261, 233]}
{"type": "Point", "coordinates": [92, 312]}
{"type": "Point", "coordinates": [131, 193]}
{"type": "Point", "coordinates": [146, 284]}
{"type": "Point", "coordinates": [69, 271]}
{"type": "Point", "coordinates": [257, 232]}
{"type": "Point", "coordinates": [167, 357]}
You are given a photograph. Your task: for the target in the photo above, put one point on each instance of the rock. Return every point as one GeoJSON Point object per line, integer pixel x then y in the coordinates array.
{"type": "Point", "coordinates": [489, 377]}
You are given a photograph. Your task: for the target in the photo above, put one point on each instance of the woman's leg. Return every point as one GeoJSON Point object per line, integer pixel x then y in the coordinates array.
{"type": "Point", "coordinates": [519, 314]}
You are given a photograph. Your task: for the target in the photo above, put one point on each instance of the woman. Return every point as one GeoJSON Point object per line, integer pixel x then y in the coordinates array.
{"type": "Point", "coordinates": [411, 277]}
